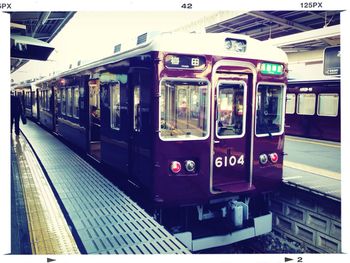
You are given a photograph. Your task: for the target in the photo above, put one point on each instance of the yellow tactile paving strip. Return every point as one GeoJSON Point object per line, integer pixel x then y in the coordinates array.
{"type": "Point", "coordinates": [48, 229]}
{"type": "Point", "coordinates": [311, 169]}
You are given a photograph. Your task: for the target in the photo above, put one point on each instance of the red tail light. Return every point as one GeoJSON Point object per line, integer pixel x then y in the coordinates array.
{"type": "Point", "coordinates": [273, 157]}
{"type": "Point", "coordinates": [175, 167]}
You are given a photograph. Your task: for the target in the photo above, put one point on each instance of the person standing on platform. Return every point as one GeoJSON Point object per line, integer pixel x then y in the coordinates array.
{"type": "Point", "coordinates": [16, 112]}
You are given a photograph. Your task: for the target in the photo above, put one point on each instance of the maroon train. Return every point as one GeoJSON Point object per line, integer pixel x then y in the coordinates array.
{"type": "Point", "coordinates": [313, 109]}
{"type": "Point", "coordinates": [196, 119]}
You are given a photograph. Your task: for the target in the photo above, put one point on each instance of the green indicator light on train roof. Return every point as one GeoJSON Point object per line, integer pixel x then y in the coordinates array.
{"type": "Point", "coordinates": [271, 69]}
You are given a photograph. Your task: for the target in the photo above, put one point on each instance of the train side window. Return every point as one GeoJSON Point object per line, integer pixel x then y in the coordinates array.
{"type": "Point", "coordinates": [328, 105]}
{"type": "Point", "coordinates": [290, 103]}
{"type": "Point", "coordinates": [230, 109]}
{"type": "Point", "coordinates": [269, 113]}
{"type": "Point", "coordinates": [69, 101]}
{"type": "Point", "coordinates": [63, 101]}
{"type": "Point", "coordinates": [306, 103]}
{"type": "Point", "coordinates": [137, 109]}
{"type": "Point", "coordinates": [76, 102]}
{"type": "Point", "coordinates": [114, 90]}
{"type": "Point", "coordinates": [184, 108]}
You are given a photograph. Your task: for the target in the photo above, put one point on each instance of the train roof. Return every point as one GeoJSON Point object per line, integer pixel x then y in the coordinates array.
{"type": "Point", "coordinates": [186, 43]}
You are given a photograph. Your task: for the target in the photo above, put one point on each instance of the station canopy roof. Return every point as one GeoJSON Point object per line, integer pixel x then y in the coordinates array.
{"type": "Point", "coordinates": [265, 25]}
{"type": "Point", "coordinates": [31, 33]}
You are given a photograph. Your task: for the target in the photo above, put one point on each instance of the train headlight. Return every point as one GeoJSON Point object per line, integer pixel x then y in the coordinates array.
{"type": "Point", "coordinates": [273, 157]}
{"type": "Point", "coordinates": [175, 167]}
{"type": "Point", "coordinates": [236, 45]}
{"type": "Point", "coordinates": [190, 166]}
{"type": "Point", "coordinates": [263, 158]}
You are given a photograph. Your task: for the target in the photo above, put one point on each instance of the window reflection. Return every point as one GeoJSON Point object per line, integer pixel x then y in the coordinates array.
{"type": "Point", "coordinates": [115, 105]}
{"type": "Point", "coordinates": [183, 108]}
{"type": "Point", "coordinates": [269, 114]}
{"type": "Point", "coordinates": [230, 109]}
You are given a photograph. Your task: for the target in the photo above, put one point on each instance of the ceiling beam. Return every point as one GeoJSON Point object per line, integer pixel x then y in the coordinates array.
{"type": "Point", "coordinates": [279, 20]}
{"type": "Point", "coordinates": [42, 20]}
{"type": "Point", "coordinates": [285, 22]}
{"type": "Point", "coordinates": [321, 34]}
{"type": "Point", "coordinates": [18, 26]}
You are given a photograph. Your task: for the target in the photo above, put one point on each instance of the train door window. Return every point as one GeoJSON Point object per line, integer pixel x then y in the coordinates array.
{"type": "Point", "coordinates": [76, 102]}
{"type": "Point", "coordinates": [137, 109]}
{"type": "Point", "coordinates": [306, 103]}
{"type": "Point", "coordinates": [328, 105]}
{"type": "Point", "coordinates": [184, 109]}
{"type": "Point", "coordinates": [230, 110]}
{"type": "Point", "coordinates": [27, 99]}
{"type": "Point", "coordinates": [114, 90]}
{"type": "Point", "coordinates": [94, 94]}
{"type": "Point", "coordinates": [48, 99]}
{"type": "Point", "coordinates": [290, 103]}
{"type": "Point", "coordinates": [69, 101]}
{"type": "Point", "coordinates": [40, 98]}
{"type": "Point", "coordinates": [63, 101]}
{"type": "Point", "coordinates": [43, 104]}
{"type": "Point", "coordinates": [269, 113]}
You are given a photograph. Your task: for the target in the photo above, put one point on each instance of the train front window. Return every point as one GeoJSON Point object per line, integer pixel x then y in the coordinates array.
{"type": "Point", "coordinates": [230, 110]}
{"type": "Point", "coordinates": [183, 109]}
{"type": "Point", "coordinates": [269, 112]}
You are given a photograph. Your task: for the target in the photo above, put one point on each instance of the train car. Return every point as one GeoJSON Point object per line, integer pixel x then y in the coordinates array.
{"type": "Point", "coordinates": [196, 120]}
{"type": "Point", "coordinates": [313, 109]}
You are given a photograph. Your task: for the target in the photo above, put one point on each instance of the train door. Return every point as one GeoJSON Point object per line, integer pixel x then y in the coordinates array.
{"type": "Point", "coordinates": [139, 143]}
{"type": "Point", "coordinates": [231, 133]}
{"type": "Point", "coordinates": [94, 120]}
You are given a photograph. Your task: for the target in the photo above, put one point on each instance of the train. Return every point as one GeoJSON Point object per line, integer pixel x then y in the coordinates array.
{"type": "Point", "coordinates": [195, 120]}
{"type": "Point", "coordinates": [313, 109]}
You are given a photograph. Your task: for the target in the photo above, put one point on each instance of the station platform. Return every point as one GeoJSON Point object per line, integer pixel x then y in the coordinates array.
{"type": "Point", "coordinates": [313, 165]}
{"type": "Point", "coordinates": [71, 208]}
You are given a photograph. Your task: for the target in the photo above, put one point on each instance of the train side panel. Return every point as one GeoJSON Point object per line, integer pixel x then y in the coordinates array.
{"type": "Point", "coordinates": [313, 110]}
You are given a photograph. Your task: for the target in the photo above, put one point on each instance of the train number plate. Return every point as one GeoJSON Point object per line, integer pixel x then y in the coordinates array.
{"type": "Point", "coordinates": [229, 161]}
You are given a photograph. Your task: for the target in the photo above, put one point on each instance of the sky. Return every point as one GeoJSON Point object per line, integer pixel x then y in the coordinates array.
{"type": "Point", "coordinates": [93, 35]}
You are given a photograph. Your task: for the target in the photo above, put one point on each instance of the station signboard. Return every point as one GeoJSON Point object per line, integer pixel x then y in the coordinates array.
{"type": "Point", "coordinates": [331, 61]}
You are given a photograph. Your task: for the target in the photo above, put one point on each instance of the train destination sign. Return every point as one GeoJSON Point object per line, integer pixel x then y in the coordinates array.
{"type": "Point", "coordinates": [184, 61]}
{"type": "Point", "coordinates": [331, 61]}
{"type": "Point", "coordinates": [271, 69]}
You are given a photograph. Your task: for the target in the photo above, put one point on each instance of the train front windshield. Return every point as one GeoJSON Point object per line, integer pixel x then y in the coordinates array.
{"type": "Point", "coordinates": [269, 109]}
{"type": "Point", "coordinates": [183, 108]}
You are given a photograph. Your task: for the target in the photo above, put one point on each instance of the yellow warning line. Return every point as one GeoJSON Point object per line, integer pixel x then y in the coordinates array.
{"type": "Point", "coordinates": [48, 229]}
{"type": "Point", "coordinates": [311, 169]}
{"type": "Point", "coordinates": [288, 138]}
